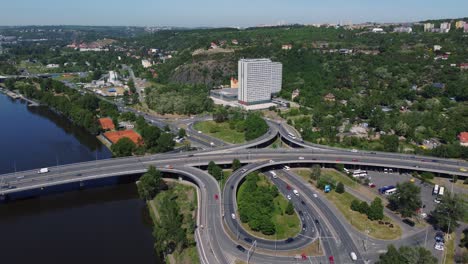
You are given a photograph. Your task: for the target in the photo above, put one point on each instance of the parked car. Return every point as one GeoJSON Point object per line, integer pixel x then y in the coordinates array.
{"type": "Point", "coordinates": [439, 246]}
{"type": "Point", "coordinates": [409, 222]}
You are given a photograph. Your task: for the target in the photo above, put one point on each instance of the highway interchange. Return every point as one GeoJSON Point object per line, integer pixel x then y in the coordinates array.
{"type": "Point", "coordinates": [218, 234]}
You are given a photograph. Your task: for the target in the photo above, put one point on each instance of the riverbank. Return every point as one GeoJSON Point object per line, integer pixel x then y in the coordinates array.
{"type": "Point", "coordinates": [184, 195]}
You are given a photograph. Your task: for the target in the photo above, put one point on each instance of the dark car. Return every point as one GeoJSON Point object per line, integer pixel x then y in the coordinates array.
{"type": "Point", "coordinates": [248, 240]}
{"type": "Point", "coordinates": [302, 202]}
{"type": "Point", "coordinates": [240, 248]}
{"type": "Point", "coordinates": [304, 226]}
{"type": "Point", "coordinates": [316, 221]}
{"type": "Point", "coordinates": [408, 222]}
{"type": "Point", "coordinates": [439, 237]}
{"type": "Point", "coordinates": [301, 213]}
{"type": "Point", "coordinates": [289, 240]}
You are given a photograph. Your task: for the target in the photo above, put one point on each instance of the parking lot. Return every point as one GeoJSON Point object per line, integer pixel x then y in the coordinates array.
{"type": "Point", "coordinates": [381, 179]}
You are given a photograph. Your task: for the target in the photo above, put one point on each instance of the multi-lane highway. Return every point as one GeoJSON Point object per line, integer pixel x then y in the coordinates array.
{"type": "Point", "coordinates": [219, 234]}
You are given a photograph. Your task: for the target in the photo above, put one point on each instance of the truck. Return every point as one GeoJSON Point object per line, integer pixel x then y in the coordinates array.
{"type": "Point", "coordinates": [441, 191]}
{"type": "Point", "coordinates": [43, 170]}
{"type": "Point", "coordinates": [436, 190]}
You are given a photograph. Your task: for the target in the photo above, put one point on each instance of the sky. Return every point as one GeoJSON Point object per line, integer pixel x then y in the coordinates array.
{"type": "Point", "coordinates": [217, 13]}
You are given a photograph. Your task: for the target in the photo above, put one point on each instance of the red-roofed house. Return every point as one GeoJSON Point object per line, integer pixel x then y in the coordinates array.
{"type": "Point", "coordinates": [463, 137]}
{"type": "Point", "coordinates": [464, 66]}
{"type": "Point", "coordinates": [106, 123]}
{"type": "Point", "coordinates": [114, 136]}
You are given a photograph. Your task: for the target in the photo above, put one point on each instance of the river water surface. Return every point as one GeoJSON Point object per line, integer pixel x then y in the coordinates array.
{"type": "Point", "coordinates": [104, 225]}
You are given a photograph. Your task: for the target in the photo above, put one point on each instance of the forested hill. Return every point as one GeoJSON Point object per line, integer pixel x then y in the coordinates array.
{"type": "Point", "coordinates": [407, 85]}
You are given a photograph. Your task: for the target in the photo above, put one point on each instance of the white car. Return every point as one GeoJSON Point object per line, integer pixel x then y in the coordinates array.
{"type": "Point", "coordinates": [289, 197]}
{"type": "Point", "coordinates": [315, 195]}
{"type": "Point", "coordinates": [199, 132]}
{"type": "Point", "coordinates": [233, 215]}
{"type": "Point", "coordinates": [437, 200]}
{"type": "Point", "coordinates": [271, 161]}
{"type": "Point", "coordinates": [301, 158]}
{"type": "Point", "coordinates": [354, 150]}
{"type": "Point", "coordinates": [439, 246]}
{"type": "Point", "coordinates": [296, 192]}
{"type": "Point", "coordinates": [286, 168]}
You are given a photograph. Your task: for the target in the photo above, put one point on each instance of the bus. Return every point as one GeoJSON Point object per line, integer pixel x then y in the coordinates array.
{"type": "Point", "coordinates": [436, 190]}
{"type": "Point", "coordinates": [359, 173]}
{"type": "Point", "coordinates": [441, 191]}
{"type": "Point", "coordinates": [390, 191]}
{"type": "Point", "coordinates": [383, 189]}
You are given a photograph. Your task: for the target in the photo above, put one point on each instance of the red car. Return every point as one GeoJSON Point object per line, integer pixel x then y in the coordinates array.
{"type": "Point", "coordinates": [288, 187]}
{"type": "Point", "coordinates": [355, 160]}
{"type": "Point", "coordinates": [216, 197]}
{"type": "Point", "coordinates": [331, 259]}
{"type": "Point", "coordinates": [371, 185]}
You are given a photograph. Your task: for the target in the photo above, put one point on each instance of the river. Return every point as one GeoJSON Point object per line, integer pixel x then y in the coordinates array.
{"type": "Point", "coordinates": [103, 225]}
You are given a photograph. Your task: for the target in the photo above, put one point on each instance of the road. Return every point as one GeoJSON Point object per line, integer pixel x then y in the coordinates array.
{"type": "Point", "coordinates": [216, 244]}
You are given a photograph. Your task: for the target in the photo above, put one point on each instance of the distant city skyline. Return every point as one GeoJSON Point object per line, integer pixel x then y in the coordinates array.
{"type": "Point", "coordinates": [212, 13]}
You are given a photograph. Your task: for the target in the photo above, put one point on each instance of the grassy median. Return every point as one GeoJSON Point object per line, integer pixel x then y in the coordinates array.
{"type": "Point", "coordinates": [221, 131]}
{"type": "Point", "coordinates": [343, 203]}
{"type": "Point", "coordinates": [285, 225]}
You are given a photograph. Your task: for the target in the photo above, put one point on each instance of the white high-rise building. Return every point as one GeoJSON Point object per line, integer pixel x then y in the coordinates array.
{"type": "Point", "coordinates": [258, 80]}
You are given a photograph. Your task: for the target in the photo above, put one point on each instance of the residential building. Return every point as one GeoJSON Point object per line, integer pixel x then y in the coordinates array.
{"type": "Point", "coordinates": [113, 77]}
{"type": "Point", "coordinates": [377, 30]}
{"type": "Point", "coordinates": [52, 66]}
{"type": "Point", "coordinates": [445, 27]}
{"type": "Point", "coordinates": [295, 94]}
{"type": "Point", "coordinates": [286, 47]}
{"type": "Point", "coordinates": [465, 28]}
{"type": "Point", "coordinates": [258, 80]}
{"type": "Point", "coordinates": [146, 63]}
{"type": "Point", "coordinates": [235, 42]}
{"type": "Point", "coordinates": [234, 83]}
{"type": "Point", "coordinates": [464, 66]}
{"type": "Point", "coordinates": [403, 30]}
{"type": "Point", "coordinates": [428, 27]}
{"type": "Point", "coordinates": [463, 137]}
{"type": "Point", "coordinates": [437, 47]}
{"type": "Point", "coordinates": [329, 97]}
{"type": "Point", "coordinates": [460, 24]}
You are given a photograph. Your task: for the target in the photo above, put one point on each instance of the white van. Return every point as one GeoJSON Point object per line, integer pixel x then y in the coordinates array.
{"type": "Point", "coordinates": [353, 256]}
{"type": "Point", "coordinates": [43, 170]}
{"type": "Point", "coordinates": [274, 174]}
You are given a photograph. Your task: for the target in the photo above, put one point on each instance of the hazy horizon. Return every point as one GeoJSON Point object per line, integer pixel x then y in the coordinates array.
{"type": "Point", "coordinates": [211, 13]}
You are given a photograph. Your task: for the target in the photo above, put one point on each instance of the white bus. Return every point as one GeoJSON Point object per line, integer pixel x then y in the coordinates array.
{"type": "Point", "coordinates": [391, 191]}
{"type": "Point", "coordinates": [359, 173]}
{"type": "Point", "coordinates": [436, 190]}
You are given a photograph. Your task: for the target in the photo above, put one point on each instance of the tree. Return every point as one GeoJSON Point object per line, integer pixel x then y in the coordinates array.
{"type": "Point", "coordinates": [464, 240]}
{"type": "Point", "coordinates": [131, 85]}
{"type": "Point", "coordinates": [407, 255]}
{"type": "Point", "coordinates": [165, 143]}
{"type": "Point", "coordinates": [355, 205]}
{"type": "Point", "coordinates": [255, 126]}
{"type": "Point", "coordinates": [220, 115]}
{"type": "Point", "coordinates": [390, 143]}
{"type": "Point", "coordinates": [289, 209]}
{"type": "Point", "coordinates": [150, 184]}
{"type": "Point", "coordinates": [124, 147]}
{"type": "Point", "coordinates": [182, 133]}
{"type": "Point", "coordinates": [316, 171]}
{"type": "Point", "coordinates": [215, 171]}
{"type": "Point", "coordinates": [376, 210]}
{"type": "Point", "coordinates": [236, 164]}
{"type": "Point", "coordinates": [449, 211]}
{"type": "Point", "coordinates": [406, 200]}
{"type": "Point", "coordinates": [340, 188]}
